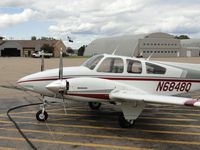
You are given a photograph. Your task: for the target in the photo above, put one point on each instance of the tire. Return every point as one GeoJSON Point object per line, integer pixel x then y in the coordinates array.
{"type": "Point", "coordinates": [123, 123]}
{"type": "Point", "coordinates": [40, 116]}
{"type": "Point", "coordinates": [94, 105]}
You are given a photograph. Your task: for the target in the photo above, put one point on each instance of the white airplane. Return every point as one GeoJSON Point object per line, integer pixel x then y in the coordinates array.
{"type": "Point", "coordinates": [109, 78]}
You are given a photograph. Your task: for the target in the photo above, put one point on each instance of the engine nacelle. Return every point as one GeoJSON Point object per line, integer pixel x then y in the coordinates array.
{"type": "Point", "coordinates": [82, 84]}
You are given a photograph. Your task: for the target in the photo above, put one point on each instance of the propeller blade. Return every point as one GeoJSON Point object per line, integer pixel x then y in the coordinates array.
{"type": "Point", "coordinates": [42, 61]}
{"type": "Point", "coordinates": [61, 66]}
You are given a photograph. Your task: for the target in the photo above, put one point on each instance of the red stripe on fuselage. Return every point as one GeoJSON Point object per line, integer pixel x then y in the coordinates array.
{"type": "Point", "coordinates": [118, 78]}
{"type": "Point", "coordinates": [98, 96]}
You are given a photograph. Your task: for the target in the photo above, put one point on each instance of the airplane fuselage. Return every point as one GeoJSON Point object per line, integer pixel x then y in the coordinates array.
{"type": "Point", "coordinates": [175, 79]}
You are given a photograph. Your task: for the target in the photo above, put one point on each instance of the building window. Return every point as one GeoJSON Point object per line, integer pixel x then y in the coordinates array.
{"type": "Point", "coordinates": [168, 51]}
{"type": "Point", "coordinates": [165, 51]}
{"type": "Point", "coordinates": [161, 51]}
{"type": "Point", "coordinates": [147, 43]}
{"type": "Point", "coordinates": [144, 44]}
{"type": "Point", "coordinates": [158, 51]}
{"type": "Point", "coordinates": [147, 51]}
{"type": "Point", "coordinates": [158, 43]}
{"type": "Point", "coordinates": [144, 51]}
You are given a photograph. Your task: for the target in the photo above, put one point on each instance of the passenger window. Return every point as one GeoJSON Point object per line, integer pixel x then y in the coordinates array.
{"type": "Point", "coordinates": [154, 69]}
{"type": "Point", "coordinates": [112, 65]}
{"type": "Point", "coordinates": [134, 66]}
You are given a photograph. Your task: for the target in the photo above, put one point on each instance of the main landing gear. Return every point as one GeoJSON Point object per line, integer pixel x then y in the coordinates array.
{"type": "Point", "coordinates": [94, 105]}
{"type": "Point", "coordinates": [124, 123]}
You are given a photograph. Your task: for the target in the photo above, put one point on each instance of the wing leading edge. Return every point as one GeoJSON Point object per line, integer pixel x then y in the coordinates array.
{"type": "Point", "coordinates": [130, 96]}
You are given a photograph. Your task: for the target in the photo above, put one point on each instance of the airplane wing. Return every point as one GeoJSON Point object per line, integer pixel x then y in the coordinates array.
{"type": "Point", "coordinates": [130, 96]}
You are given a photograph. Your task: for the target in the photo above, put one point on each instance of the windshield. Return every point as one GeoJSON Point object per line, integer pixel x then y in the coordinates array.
{"type": "Point", "coordinates": [92, 62]}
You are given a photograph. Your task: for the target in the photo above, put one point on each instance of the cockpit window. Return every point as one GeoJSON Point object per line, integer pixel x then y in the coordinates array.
{"type": "Point", "coordinates": [134, 66]}
{"type": "Point", "coordinates": [111, 65]}
{"type": "Point", "coordinates": [92, 62]}
{"type": "Point", "coordinates": [154, 69]}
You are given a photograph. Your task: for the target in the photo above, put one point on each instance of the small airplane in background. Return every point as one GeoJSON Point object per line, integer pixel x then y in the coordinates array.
{"type": "Point", "coordinates": [109, 78]}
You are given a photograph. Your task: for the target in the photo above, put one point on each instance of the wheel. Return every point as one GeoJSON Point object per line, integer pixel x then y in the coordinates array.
{"type": "Point", "coordinates": [41, 116]}
{"type": "Point", "coordinates": [94, 105]}
{"type": "Point", "coordinates": [125, 123]}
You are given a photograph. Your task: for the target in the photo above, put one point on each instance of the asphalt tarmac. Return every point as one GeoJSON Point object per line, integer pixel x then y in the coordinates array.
{"type": "Point", "coordinates": [158, 127]}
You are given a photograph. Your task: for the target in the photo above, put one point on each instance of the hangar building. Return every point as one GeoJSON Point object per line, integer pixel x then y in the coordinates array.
{"type": "Point", "coordinates": [160, 44]}
{"type": "Point", "coordinates": [25, 48]}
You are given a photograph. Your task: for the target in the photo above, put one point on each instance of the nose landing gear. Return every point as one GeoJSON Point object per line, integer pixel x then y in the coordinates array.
{"type": "Point", "coordinates": [41, 116]}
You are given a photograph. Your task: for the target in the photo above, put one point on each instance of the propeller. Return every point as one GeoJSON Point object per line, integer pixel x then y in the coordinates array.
{"type": "Point", "coordinates": [42, 61]}
{"type": "Point", "coordinates": [61, 66]}
{"type": "Point", "coordinates": [61, 78]}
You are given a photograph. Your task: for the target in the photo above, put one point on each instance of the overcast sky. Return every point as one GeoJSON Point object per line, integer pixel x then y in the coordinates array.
{"type": "Point", "coordinates": [86, 20]}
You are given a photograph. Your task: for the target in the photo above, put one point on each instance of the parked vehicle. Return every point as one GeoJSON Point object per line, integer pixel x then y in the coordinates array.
{"type": "Point", "coordinates": [38, 54]}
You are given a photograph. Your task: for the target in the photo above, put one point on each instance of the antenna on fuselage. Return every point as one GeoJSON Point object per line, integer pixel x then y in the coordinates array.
{"type": "Point", "coordinates": [140, 55]}
{"type": "Point", "coordinates": [42, 61]}
{"type": "Point", "coordinates": [113, 53]}
{"type": "Point", "coordinates": [150, 56]}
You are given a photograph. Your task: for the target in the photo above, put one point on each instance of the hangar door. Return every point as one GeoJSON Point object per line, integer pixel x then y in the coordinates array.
{"type": "Point", "coordinates": [10, 52]}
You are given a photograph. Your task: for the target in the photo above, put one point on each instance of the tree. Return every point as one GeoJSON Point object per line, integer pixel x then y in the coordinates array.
{"type": "Point", "coordinates": [47, 48]}
{"type": "Point", "coordinates": [47, 38]}
{"type": "Point", "coordinates": [33, 38]}
{"type": "Point", "coordinates": [81, 50]}
{"type": "Point", "coordinates": [182, 37]}
{"type": "Point", "coordinates": [70, 50]}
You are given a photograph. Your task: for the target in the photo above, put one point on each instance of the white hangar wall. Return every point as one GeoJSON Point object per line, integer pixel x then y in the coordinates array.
{"type": "Point", "coordinates": [160, 44]}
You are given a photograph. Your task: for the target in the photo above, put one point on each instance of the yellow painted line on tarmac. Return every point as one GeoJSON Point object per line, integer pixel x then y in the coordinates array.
{"type": "Point", "coordinates": [95, 127]}
{"type": "Point", "coordinates": [169, 119]}
{"type": "Point", "coordinates": [119, 129]}
{"type": "Point", "coordinates": [59, 114]}
{"type": "Point", "coordinates": [169, 125]}
{"type": "Point", "coordinates": [70, 109]}
{"type": "Point", "coordinates": [94, 145]}
{"type": "Point", "coordinates": [182, 109]}
{"type": "Point", "coordinates": [50, 110]}
{"type": "Point", "coordinates": [7, 148]}
{"type": "Point", "coordinates": [108, 137]}
{"type": "Point", "coordinates": [1, 115]}
{"type": "Point", "coordinates": [80, 115]}
{"type": "Point", "coordinates": [179, 114]}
